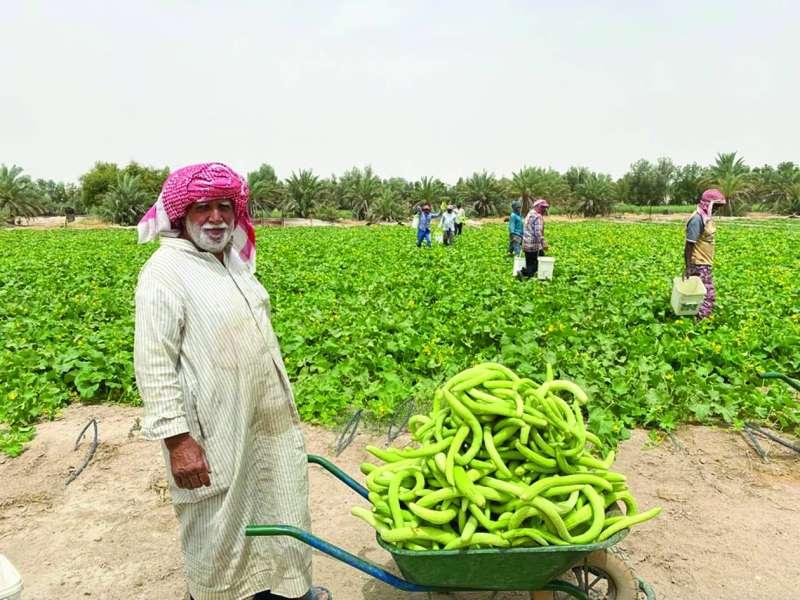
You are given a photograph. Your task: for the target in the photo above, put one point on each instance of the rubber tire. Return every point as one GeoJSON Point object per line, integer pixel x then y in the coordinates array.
{"type": "Point", "coordinates": [616, 570]}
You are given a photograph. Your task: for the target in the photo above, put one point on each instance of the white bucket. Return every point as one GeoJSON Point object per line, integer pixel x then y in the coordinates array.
{"type": "Point", "coordinates": [546, 265]}
{"type": "Point", "coordinates": [10, 581]}
{"type": "Point", "coordinates": [519, 264]}
{"type": "Point", "coordinates": [687, 295]}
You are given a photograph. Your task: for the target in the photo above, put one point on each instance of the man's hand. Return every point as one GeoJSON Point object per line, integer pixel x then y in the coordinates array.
{"type": "Point", "coordinates": [188, 462]}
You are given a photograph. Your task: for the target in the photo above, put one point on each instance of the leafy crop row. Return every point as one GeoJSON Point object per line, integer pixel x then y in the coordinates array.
{"type": "Point", "coordinates": [367, 319]}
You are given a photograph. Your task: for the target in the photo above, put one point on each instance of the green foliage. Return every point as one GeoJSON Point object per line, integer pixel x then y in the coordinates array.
{"type": "Point", "coordinates": [777, 188]}
{"type": "Point", "coordinates": [99, 180]}
{"type": "Point", "coordinates": [57, 197]}
{"type": "Point", "coordinates": [430, 190]}
{"type": "Point", "coordinates": [687, 184]}
{"type": "Point", "coordinates": [647, 183]}
{"type": "Point", "coordinates": [266, 192]}
{"type": "Point", "coordinates": [732, 177]}
{"type": "Point", "coordinates": [482, 192]}
{"type": "Point", "coordinates": [594, 196]}
{"type": "Point", "coordinates": [125, 202]}
{"type": "Point", "coordinates": [534, 182]}
{"type": "Point", "coordinates": [359, 325]}
{"type": "Point", "coordinates": [18, 196]}
{"type": "Point", "coordinates": [388, 207]}
{"type": "Point", "coordinates": [360, 189]}
{"type": "Point", "coordinates": [304, 190]}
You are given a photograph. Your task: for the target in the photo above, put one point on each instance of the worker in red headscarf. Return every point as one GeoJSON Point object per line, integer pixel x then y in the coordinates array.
{"type": "Point", "coordinates": [698, 251]}
{"type": "Point", "coordinates": [533, 242]}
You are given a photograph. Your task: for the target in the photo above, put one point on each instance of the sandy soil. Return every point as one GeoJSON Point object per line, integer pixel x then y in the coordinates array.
{"type": "Point", "coordinates": [85, 222]}
{"type": "Point", "coordinates": [729, 527]}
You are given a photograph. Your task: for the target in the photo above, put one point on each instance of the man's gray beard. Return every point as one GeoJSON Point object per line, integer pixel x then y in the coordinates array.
{"type": "Point", "coordinates": [202, 241]}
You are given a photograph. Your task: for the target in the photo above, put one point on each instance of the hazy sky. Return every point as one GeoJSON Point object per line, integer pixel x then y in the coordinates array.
{"type": "Point", "coordinates": [412, 88]}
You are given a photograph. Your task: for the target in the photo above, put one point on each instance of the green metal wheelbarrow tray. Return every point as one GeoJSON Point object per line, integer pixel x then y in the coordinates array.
{"type": "Point", "coordinates": [525, 569]}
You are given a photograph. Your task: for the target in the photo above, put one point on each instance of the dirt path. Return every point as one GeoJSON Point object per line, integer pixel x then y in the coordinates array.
{"type": "Point", "coordinates": [729, 529]}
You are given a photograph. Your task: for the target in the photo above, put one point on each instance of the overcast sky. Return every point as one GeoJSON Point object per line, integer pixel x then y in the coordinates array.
{"type": "Point", "coordinates": [411, 88]}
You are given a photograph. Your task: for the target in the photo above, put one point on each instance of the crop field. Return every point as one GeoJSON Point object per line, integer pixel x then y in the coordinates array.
{"type": "Point", "coordinates": [366, 319]}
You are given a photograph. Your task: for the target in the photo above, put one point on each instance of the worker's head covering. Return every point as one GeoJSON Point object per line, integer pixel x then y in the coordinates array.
{"type": "Point", "coordinates": [540, 204]}
{"type": "Point", "coordinates": [196, 183]}
{"type": "Point", "coordinates": [709, 197]}
{"type": "Point", "coordinates": [516, 204]}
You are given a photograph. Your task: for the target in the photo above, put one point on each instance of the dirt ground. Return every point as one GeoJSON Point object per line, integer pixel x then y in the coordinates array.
{"type": "Point", "coordinates": [729, 527]}
{"type": "Point", "coordinates": [86, 222]}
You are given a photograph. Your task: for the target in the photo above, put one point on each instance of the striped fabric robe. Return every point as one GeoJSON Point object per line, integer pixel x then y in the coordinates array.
{"type": "Point", "coordinates": [208, 363]}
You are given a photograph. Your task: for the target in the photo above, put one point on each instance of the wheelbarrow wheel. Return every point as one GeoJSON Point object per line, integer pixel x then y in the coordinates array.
{"type": "Point", "coordinates": [603, 575]}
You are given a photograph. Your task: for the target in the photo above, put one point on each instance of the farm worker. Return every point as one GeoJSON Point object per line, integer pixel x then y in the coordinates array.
{"type": "Point", "coordinates": [533, 242]}
{"type": "Point", "coordinates": [449, 224]}
{"type": "Point", "coordinates": [515, 227]}
{"type": "Point", "coordinates": [460, 218]}
{"type": "Point", "coordinates": [424, 223]}
{"type": "Point", "coordinates": [698, 251]}
{"type": "Point", "coordinates": [216, 392]}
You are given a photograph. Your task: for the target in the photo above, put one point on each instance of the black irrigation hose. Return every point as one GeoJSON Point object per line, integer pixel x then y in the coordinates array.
{"type": "Point", "coordinates": [89, 455]}
{"type": "Point", "coordinates": [400, 419]}
{"type": "Point", "coordinates": [751, 439]}
{"type": "Point", "coordinates": [768, 434]}
{"type": "Point", "coordinates": [347, 433]}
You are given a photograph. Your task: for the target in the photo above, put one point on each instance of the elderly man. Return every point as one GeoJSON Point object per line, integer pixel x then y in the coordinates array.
{"type": "Point", "coordinates": [216, 392]}
{"type": "Point", "coordinates": [533, 242]}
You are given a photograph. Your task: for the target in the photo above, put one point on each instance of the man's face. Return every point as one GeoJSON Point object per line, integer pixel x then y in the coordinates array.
{"type": "Point", "coordinates": [427, 208]}
{"type": "Point", "coordinates": [210, 224]}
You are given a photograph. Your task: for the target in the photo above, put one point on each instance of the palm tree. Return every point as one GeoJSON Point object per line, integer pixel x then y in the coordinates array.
{"type": "Point", "coordinates": [534, 182]}
{"type": "Point", "coordinates": [732, 177]}
{"type": "Point", "coordinates": [522, 186]}
{"type": "Point", "coordinates": [125, 202]}
{"type": "Point", "coordinates": [483, 192]}
{"type": "Point", "coordinates": [266, 192]}
{"type": "Point", "coordinates": [595, 195]}
{"type": "Point", "coordinates": [430, 190]}
{"type": "Point", "coordinates": [304, 190]}
{"type": "Point", "coordinates": [388, 207]}
{"type": "Point", "coordinates": [17, 194]}
{"type": "Point", "coordinates": [360, 190]}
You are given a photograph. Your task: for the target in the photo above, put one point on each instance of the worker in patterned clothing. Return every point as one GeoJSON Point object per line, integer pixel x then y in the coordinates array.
{"type": "Point", "coordinates": [217, 395]}
{"type": "Point", "coordinates": [533, 243]}
{"type": "Point", "coordinates": [698, 251]}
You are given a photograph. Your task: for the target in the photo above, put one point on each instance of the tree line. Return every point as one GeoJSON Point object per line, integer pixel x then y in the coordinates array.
{"type": "Point", "coordinates": [122, 194]}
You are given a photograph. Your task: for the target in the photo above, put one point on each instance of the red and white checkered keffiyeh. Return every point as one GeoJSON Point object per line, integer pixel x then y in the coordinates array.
{"type": "Point", "coordinates": [195, 183]}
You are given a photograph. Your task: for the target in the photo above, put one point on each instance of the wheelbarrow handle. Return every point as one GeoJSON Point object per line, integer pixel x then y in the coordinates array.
{"type": "Point", "coordinates": [785, 378]}
{"type": "Point", "coordinates": [337, 553]}
{"type": "Point", "coordinates": [339, 474]}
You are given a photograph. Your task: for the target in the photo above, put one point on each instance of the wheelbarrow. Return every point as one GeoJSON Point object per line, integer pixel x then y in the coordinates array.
{"type": "Point", "coordinates": [594, 570]}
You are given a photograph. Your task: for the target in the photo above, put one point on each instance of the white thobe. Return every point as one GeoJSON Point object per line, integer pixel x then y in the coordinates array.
{"type": "Point", "coordinates": [208, 363]}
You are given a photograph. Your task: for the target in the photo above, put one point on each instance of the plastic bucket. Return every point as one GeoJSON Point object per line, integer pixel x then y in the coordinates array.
{"type": "Point", "coordinates": [687, 295]}
{"type": "Point", "coordinates": [10, 581]}
{"type": "Point", "coordinates": [519, 264]}
{"type": "Point", "coordinates": [546, 265]}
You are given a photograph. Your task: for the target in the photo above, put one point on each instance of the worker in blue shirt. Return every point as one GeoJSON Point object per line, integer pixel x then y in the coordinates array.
{"type": "Point", "coordinates": [515, 228]}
